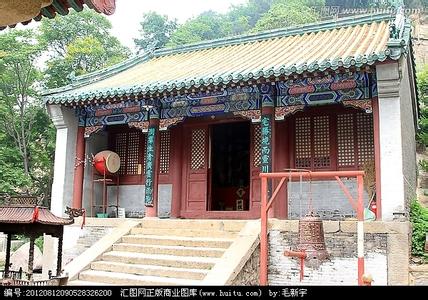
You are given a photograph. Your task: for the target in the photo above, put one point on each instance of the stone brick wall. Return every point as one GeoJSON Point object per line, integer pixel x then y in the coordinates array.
{"type": "Point", "coordinates": [249, 274]}
{"type": "Point", "coordinates": [419, 275]}
{"type": "Point", "coordinates": [386, 254]}
{"type": "Point", "coordinates": [328, 199]}
{"type": "Point", "coordinates": [131, 197]}
{"type": "Point", "coordinates": [340, 269]}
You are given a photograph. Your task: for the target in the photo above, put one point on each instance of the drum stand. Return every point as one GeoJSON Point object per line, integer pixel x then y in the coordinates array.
{"type": "Point", "coordinates": [105, 180]}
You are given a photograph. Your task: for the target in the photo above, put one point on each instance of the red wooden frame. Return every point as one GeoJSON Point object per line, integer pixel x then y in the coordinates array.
{"type": "Point", "coordinates": [187, 126]}
{"type": "Point", "coordinates": [268, 201]}
{"type": "Point", "coordinates": [333, 112]}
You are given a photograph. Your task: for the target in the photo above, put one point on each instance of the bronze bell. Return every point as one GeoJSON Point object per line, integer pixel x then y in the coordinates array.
{"type": "Point", "coordinates": [311, 237]}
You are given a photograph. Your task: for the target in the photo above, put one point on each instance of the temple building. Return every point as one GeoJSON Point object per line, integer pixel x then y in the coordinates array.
{"type": "Point", "coordinates": [198, 129]}
{"type": "Point", "coordinates": [194, 126]}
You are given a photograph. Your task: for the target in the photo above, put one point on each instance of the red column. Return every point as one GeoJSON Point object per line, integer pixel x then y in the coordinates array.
{"type": "Point", "coordinates": [264, 249]}
{"type": "Point", "coordinates": [79, 168]}
{"type": "Point", "coordinates": [152, 211]}
{"type": "Point", "coordinates": [177, 164]}
{"type": "Point", "coordinates": [376, 137]}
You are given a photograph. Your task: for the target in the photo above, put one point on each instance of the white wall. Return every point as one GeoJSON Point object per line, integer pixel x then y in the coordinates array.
{"type": "Point", "coordinates": [65, 122]}
{"type": "Point", "coordinates": [391, 154]}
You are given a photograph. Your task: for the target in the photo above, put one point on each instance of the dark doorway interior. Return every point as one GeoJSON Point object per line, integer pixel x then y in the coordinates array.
{"type": "Point", "coordinates": [230, 167]}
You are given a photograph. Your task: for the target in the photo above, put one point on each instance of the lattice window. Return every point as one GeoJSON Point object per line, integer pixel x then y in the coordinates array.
{"type": "Point", "coordinates": [365, 138]}
{"type": "Point", "coordinates": [303, 142]}
{"type": "Point", "coordinates": [319, 146]}
{"type": "Point", "coordinates": [257, 142]}
{"type": "Point", "coordinates": [165, 142]}
{"type": "Point", "coordinates": [132, 159]}
{"type": "Point", "coordinates": [120, 149]}
{"type": "Point", "coordinates": [197, 159]}
{"type": "Point", "coordinates": [129, 146]}
{"type": "Point", "coordinates": [321, 141]}
{"type": "Point", "coordinates": [345, 140]}
{"type": "Point", "coordinates": [143, 157]}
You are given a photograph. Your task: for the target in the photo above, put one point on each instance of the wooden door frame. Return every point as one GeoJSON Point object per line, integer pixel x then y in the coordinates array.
{"type": "Point", "coordinates": [188, 125]}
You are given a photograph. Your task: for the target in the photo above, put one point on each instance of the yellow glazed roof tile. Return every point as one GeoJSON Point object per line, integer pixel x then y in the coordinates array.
{"type": "Point", "coordinates": [329, 45]}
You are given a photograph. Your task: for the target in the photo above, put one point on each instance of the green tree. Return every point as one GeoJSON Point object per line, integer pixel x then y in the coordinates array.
{"type": "Point", "coordinates": [243, 17]}
{"type": "Point", "coordinates": [26, 134]}
{"type": "Point", "coordinates": [207, 26]}
{"type": "Point", "coordinates": [79, 43]}
{"type": "Point", "coordinates": [288, 13]}
{"type": "Point", "coordinates": [422, 81]}
{"type": "Point", "coordinates": [18, 76]}
{"type": "Point", "coordinates": [155, 30]}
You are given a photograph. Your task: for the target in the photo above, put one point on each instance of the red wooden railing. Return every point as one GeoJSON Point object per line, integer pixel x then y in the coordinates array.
{"type": "Point", "coordinates": [267, 204]}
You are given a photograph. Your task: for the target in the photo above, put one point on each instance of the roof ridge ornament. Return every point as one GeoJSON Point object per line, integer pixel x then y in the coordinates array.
{"type": "Point", "coordinates": [150, 49]}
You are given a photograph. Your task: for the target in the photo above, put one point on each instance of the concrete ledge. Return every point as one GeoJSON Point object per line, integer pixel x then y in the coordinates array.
{"type": "Point", "coordinates": [235, 257]}
{"type": "Point", "coordinates": [283, 225]}
{"type": "Point", "coordinates": [102, 222]}
{"type": "Point", "coordinates": [82, 262]}
{"type": "Point", "coordinates": [419, 268]}
{"type": "Point", "coordinates": [388, 227]}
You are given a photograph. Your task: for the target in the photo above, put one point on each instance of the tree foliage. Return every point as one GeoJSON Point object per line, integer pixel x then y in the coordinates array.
{"type": "Point", "coordinates": [207, 26]}
{"type": "Point", "coordinates": [26, 136]}
{"type": "Point", "coordinates": [242, 18]}
{"type": "Point", "coordinates": [78, 43]}
{"type": "Point", "coordinates": [252, 16]}
{"type": "Point", "coordinates": [17, 81]}
{"type": "Point", "coordinates": [422, 81]}
{"type": "Point", "coordinates": [285, 13]}
{"type": "Point", "coordinates": [155, 30]}
{"type": "Point", "coordinates": [419, 219]}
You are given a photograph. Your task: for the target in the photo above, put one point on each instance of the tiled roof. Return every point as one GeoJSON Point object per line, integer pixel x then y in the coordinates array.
{"type": "Point", "coordinates": [30, 214]}
{"type": "Point", "coordinates": [49, 9]}
{"type": "Point", "coordinates": [348, 42]}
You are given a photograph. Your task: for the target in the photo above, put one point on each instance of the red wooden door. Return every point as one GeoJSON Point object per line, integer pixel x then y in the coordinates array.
{"type": "Point", "coordinates": [197, 167]}
{"type": "Point", "coordinates": [255, 164]}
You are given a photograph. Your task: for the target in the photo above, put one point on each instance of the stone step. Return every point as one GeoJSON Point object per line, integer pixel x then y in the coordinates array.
{"type": "Point", "coordinates": [169, 250]}
{"type": "Point", "coordinates": [160, 260]}
{"type": "Point", "coordinates": [184, 232]}
{"type": "Point", "coordinates": [131, 279]}
{"type": "Point", "coordinates": [227, 225]}
{"type": "Point", "coordinates": [84, 283]}
{"type": "Point", "coordinates": [149, 270]}
{"type": "Point", "coordinates": [177, 241]}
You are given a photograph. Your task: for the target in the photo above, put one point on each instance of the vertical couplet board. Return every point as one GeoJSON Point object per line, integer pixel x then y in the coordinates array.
{"type": "Point", "coordinates": [150, 166]}
{"type": "Point", "coordinates": [197, 168]}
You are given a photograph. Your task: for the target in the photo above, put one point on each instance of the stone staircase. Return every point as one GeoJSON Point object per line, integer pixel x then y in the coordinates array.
{"type": "Point", "coordinates": [163, 252]}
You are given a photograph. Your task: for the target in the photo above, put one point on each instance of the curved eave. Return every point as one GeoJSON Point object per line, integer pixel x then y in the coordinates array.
{"type": "Point", "coordinates": [62, 7]}
{"type": "Point", "coordinates": [330, 64]}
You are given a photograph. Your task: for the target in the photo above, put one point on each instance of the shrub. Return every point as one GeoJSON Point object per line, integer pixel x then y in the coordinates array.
{"type": "Point", "coordinates": [39, 243]}
{"type": "Point", "coordinates": [419, 219]}
{"type": "Point", "coordinates": [423, 164]}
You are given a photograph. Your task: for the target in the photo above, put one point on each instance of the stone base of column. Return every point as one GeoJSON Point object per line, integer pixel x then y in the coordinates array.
{"type": "Point", "coordinates": [151, 212]}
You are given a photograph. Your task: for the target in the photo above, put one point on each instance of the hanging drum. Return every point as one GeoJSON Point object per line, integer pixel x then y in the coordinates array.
{"type": "Point", "coordinates": [107, 162]}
